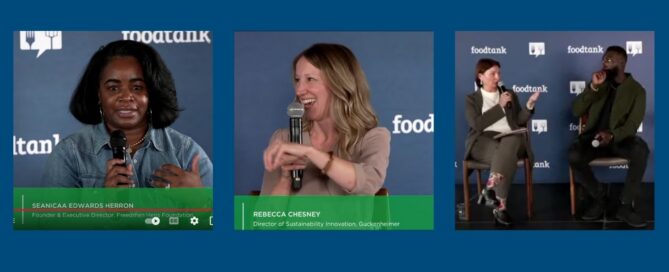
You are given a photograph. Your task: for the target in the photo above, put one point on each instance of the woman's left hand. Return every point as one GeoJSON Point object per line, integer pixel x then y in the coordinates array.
{"type": "Point", "coordinates": [170, 175]}
{"type": "Point", "coordinates": [533, 100]}
{"type": "Point", "coordinates": [285, 155]}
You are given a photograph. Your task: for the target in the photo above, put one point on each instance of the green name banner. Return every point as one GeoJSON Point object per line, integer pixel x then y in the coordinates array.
{"type": "Point", "coordinates": [119, 209]}
{"type": "Point", "coordinates": [334, 212]}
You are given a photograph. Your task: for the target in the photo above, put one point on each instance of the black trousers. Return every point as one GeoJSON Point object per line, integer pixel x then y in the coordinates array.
{"type": "Point", "coordinates": [631, 148]}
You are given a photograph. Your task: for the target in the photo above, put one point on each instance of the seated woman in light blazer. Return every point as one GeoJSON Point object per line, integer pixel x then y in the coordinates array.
{"type": "Point", "coordinates": [491, 111]}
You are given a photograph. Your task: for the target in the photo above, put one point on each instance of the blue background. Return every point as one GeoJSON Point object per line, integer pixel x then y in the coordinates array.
{"type": "Point", "coordinates": [226, 250]}
{"type": "Point", "coordinates": [398, 67]}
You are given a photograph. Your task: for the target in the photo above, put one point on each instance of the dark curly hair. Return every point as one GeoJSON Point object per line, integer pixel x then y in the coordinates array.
{"type": "Point", "coordinates": [84, 104]}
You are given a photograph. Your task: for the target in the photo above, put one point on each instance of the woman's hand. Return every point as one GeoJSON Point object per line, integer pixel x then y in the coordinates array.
{"type": "Point", "coordinates": [170, 175]}
{"type": "Point", "coordinates": [533, 100]}
{"type": "Point", "coordinates": [288, 156]}
{"type": "Point", "coordinates": [118, 174]}
{"type": "Point", "coordinates": [504, 98]}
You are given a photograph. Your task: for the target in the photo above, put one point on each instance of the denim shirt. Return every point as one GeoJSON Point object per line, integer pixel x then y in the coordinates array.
{"type": "Point", "coordinates": [80, 160]}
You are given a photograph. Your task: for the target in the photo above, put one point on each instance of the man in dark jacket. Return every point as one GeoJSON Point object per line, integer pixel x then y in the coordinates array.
{"type": "Point", "coordinates": [614, 104]}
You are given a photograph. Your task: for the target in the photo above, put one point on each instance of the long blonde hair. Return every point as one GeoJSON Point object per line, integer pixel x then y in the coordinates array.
{"type": "Point", "coordinates": [350, 106]}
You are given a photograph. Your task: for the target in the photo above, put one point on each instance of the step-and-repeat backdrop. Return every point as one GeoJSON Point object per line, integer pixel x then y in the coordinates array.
{"type": "Point", "coordinates": [400, 70]}
{"type": "Point", "coordinates": [559, 65]}
{"type": "Point", "coordinates": [49, 64]}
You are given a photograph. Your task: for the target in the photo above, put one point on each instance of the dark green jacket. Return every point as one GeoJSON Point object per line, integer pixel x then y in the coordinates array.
{"type": "Point", "coordinates": [627, 112]}
{"type": "Point", "coordinates": [477, 121]}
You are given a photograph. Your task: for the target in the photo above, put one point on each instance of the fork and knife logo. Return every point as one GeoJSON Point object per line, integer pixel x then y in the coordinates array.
{"type": "Point", "coordinates": [40, 41]}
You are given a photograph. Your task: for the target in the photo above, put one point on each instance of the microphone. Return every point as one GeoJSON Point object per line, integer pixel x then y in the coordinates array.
{"type": "Point", "coordinates": [595, 142]}
{"type": "Point", "coordinates": [117, 141]}
{"type": "Point", "coordinates": [295, 112]}
{"type": "Point", "coordinates": [502, 89]}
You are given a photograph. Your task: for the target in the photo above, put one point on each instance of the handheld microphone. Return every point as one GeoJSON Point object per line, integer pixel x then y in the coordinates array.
{"type": "Point", "coordinates": [502, 89]}
{"type": "Point", "coordinates": [595, 143]}
{"type": "Point", "coordinates": [295, 112]}
{"type": "Point", "coordinates": [117, 141]}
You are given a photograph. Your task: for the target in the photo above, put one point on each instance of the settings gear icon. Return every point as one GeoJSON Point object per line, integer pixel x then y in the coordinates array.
{"type": "Point", "coordinates": [194, 221]}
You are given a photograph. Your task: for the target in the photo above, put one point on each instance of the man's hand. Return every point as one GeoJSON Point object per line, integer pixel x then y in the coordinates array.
{"type": "Point", "coordinates": [598, 78]}
{"type": "Point", "coordinates": [605, 137]}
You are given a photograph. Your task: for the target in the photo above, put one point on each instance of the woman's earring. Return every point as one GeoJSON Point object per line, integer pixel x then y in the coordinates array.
{"type": "Point", "coordinates": [102, 116]}
{"type": "Point", "coordinates": [150, 116]}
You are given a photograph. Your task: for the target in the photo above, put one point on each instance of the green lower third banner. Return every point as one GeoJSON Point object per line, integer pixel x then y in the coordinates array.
{"type": "Point", "coordinates": [334, 212]}
{"type": "Point", "coordinates": [129, 208]}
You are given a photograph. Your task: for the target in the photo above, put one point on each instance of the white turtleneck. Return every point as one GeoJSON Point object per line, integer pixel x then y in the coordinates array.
{"type": "Point", "coordinates": [490, 100]}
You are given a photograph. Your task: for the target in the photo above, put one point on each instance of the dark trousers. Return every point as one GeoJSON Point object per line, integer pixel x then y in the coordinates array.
{"type": "Point", "coordinates": [502, 154]}
{"type": "Point", "coordinates": [631, 148]}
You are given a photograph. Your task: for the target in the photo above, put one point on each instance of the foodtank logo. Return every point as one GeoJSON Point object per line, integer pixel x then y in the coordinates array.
{"type": "Point", "coordinates": [537, 49]}
{"type": "Point", "coordinates": [530, 89]}
{"type": "Point", "coordinates": [539, 125]}
{"type": "Point", "coordinates": [573, 127]}
{"type": "Point", "coordinates": [40, 41]}
{"type": "Point", "coordinates": [576, 87]}
{"type": "Point", "coordinates": [486, 50]}
{"type": "Point", "coordinates": [159, 37]}
{"type": "Point", "coordinates": [542, 164]}
{"type": "Point", "coordinates": [27, 147]}
{"type": "Point", "coordinates": [598, 49]}
{"type": "Point", "coordinates": [634, 48]}
{"type": "Point", "coordinates": [402, 125]}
